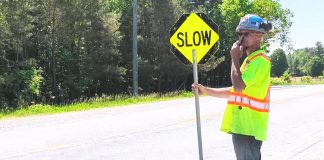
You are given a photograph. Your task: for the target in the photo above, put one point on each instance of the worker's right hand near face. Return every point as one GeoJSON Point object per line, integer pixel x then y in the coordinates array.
{"type": "Point", "coordinates": [199, 87]}
{"type": "Point", "coordinates": [236, 51]}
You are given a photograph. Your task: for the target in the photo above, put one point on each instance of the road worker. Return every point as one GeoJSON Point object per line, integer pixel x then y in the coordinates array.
{"type": "Point", "coordinates": [246, 114]}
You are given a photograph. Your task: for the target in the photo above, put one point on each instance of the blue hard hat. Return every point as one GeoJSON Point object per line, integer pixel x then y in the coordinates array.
{"type": "Point", "coordinates": [253, 22]}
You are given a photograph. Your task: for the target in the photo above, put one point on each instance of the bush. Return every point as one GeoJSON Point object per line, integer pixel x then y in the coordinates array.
{"type": "Point", "coordinates": [321, 78]}
{"type": "Point", "coordinates": [18, 88]}
{"type": "Point", "coordinates": [306, 79]}
{"type": "Point", "coordinates": [277, 81]}
{"type": "Point", "coordinates": [286, 78]}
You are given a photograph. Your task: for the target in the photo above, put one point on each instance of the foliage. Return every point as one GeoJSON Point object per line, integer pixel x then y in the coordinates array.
{"type": "Point", "coordinates": [283, 80]}
{"type": "Point", "coordinates": [162, 70]}
{"type": "Point", "coordinates": [297, 62]}
{"type": "Point", "coordinates": [307, 61]}
{"type": "Point", "coordinates": [315, 66]}
{"type": "Point", "coordinates": [18, 87]}
{"type": "Point", "coordinates": [270, 10]}
{"type": "Point", "coordinates": [59, 51]}
{"type": "Point", "coordinates": [74, 42]}
{"type": "Point", "coordinates": [321, 78]}
{"type": "Point", "coordinates": [231, 11]}
{"type": "Point", "coordinates": [277, 81]}
{"type": "Point", "coordinates": [95, 102]}
{"type": "Point", "coordinates": [279, 62]}
{"type": "Point", "coordinates": [306, 79]}
{"type": "Point", "coordinates": [286, 78]}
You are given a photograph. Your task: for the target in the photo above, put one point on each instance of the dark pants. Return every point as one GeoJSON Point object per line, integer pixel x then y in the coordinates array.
{"type": "Point", "coordinates": [246, 147]}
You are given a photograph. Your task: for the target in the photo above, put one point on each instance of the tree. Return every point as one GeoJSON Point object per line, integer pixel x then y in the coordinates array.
{"type": "Point", "coordinates": [319, 49]}
{"type": "Point", "coordinates": [125, 43]}
{"type": "Point", "coordinates": [20, 77]}
{"type": "Point", "coordinates": [279, 62]}
{"type": "Point", "coordinates": [306, 61]}
{"type": "Point", "coordinates": [159, 69]}
{"type": "Point", "coordinates": [230, 13]}
{"type": "Point", "coordinates": [315, 67]}
{"type": "Point", "coordinates": [57, 51]}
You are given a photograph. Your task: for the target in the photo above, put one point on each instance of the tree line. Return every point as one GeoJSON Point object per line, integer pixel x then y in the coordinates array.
{"type": "Point", "coordinates": [307, 61]}
{"type": "Point", "coordinates": [60, 51]}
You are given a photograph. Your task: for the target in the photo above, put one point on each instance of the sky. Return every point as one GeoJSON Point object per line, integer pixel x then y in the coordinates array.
{"type": "Point", "coordinates": [308, 23]}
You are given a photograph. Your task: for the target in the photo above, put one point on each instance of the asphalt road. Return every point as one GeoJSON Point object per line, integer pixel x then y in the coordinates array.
{"type": "Point", "coordinates": [166, 131]}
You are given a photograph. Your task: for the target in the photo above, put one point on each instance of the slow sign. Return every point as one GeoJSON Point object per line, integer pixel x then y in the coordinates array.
{"type": "Point", "coordinates": [194, 32]}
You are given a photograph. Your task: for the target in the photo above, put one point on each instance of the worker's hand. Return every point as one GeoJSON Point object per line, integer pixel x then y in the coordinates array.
{"type": "Point", "coordinates": [199, 87]}
{"type": "Point", "coordinates": [236, 51]}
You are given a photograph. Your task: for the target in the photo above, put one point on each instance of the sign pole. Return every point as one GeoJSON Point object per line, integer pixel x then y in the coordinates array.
{"type": "Point", "coordinates": [194, 33]}
{"type": "Point", "coordinates": [195, 76]}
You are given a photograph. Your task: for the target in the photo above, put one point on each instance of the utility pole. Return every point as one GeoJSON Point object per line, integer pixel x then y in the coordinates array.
{"type": "Point", "coordinates": [135, 58]}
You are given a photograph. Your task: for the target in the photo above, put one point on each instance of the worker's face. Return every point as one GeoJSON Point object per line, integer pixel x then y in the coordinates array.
{"type": "Point", "coordinates": [249, 38]}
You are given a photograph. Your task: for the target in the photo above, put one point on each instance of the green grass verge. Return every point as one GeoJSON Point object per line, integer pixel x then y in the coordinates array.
{"type": "Point", "coordinates": [306, 80]}
{"type": "Point", "coordinates": [122, 100]}
{"type": "Point", "coordinates": [100, 102]}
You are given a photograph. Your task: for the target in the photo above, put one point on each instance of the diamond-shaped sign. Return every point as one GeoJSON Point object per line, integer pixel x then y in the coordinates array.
{"type": "Point", "coordinates": [194, 31]}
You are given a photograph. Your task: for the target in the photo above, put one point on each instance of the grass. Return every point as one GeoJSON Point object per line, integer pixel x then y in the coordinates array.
{"type": "Point", "coordinates": [123, 100]}
{"type": "Point", "coordinates": [306, 80]}
{"type": "Point", "coordinates": [99, 102]}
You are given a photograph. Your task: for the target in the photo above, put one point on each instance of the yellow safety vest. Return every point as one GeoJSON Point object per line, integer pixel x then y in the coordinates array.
{"type": "Point", "coordinates": [247, 112]}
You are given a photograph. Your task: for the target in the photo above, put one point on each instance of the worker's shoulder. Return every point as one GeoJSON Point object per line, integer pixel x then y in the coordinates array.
{"type": "Point", "coordinates": [261, 59]}
{"type": "Point", "coordinates": [261, 56]}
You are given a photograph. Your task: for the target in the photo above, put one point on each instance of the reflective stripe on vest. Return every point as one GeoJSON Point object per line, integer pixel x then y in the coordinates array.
{"type": "Point", "coordinates": [250, 102]}
{"type": "Point", "coordinates": [257, 55]}
{"type": "Point", "coordinates": [261, 105]}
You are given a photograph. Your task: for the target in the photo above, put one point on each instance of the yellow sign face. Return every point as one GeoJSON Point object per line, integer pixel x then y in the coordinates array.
{"type": "Point", "coordinates": [194, 31]}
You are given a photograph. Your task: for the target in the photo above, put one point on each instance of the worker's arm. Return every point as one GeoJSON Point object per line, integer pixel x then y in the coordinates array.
{"type": "Point", "coordinates": [215, 92]}
{"type": "Point", "coordinates": [236, 75]}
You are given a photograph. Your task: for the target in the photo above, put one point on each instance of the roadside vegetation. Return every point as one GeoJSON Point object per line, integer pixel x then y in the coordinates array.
{"type": "Point", "coordinates": [124, 100]}
{"type": "Point", "coordinates": [286, 79]}
{"type": "Point", "coordinates": [62, 56]}
{"type": "Point", "coordinates": [58, 52]}
{"type": "Point", "coordinates": [93, 103]}
{"type": "Point", "coordinates": [300, 67]}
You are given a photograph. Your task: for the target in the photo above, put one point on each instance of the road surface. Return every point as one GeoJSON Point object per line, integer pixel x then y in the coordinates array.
{"type": "Point", "coordinates": [166, 131]}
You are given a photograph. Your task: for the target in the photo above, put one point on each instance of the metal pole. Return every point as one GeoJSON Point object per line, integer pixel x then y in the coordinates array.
{"type": "Point", "coordinates": [195, 76]}
{"type": "Point", "coordinates": [135, 58]}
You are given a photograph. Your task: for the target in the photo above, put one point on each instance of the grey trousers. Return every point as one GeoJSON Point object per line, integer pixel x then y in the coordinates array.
{"type": "Point", "coordinates": [246, 147]}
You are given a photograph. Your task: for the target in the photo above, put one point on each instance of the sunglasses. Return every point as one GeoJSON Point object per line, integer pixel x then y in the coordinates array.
{"type": "Point", "coordinates": [240, 34]}
{"type": "Point", "coordinates": [245, 34]}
